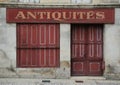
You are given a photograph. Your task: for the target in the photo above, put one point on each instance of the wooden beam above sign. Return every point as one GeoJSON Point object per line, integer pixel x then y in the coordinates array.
{"type": "Point", "coordinates": [57, 15]}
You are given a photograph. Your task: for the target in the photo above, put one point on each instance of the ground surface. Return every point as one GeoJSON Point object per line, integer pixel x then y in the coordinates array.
{"type": "Point", "coordinates": [16, 81]}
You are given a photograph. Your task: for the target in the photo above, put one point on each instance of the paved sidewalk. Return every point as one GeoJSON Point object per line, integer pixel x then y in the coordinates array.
{"type": "Point", "coordinates": [13, 81]}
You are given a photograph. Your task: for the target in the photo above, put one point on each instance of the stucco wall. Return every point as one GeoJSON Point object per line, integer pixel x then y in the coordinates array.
{"type": "Point", "coordinates": [65, 42]}
{"type": "Point", "coordinates": [7, 41]}
{"type": "Point", "coordinates": [7, 46]}
{"type": "Point", "coordinates": [8, 51]}
{"type": "Point", "coordinates": [105, 1]}
{"type": "Point", "coordinates": [112, 47]}
{"type": "Point", "coordinates": [55, 1]}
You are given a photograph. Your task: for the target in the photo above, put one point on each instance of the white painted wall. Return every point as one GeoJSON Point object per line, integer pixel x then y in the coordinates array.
{"type": "Point", "coordinates": [105, 1]}
{"type": "Point", "coordinates": [112, 45]}
{"type": "Point", "coordinates": [7, 41]}
{"type": "Point", "coordinates": [65, 42]}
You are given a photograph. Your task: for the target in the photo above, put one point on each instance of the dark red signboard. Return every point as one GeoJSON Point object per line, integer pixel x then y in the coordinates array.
{"type": "Point", "coordinates": [59, 15]}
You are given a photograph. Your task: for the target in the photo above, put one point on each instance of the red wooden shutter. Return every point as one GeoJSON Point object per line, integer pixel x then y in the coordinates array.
{"type": "Point", "coordinates": [95, 49]}
{"type": "Point", "coordinates": [78, 49]}
{"type": "Point", "coordinates": [48, 35]}
{"type": "Point", "coordinates": [38, 45]}
{"type": "Point", "coordinates": [87, 50]}
{"type": "Point", "coordinates": [95, 40]}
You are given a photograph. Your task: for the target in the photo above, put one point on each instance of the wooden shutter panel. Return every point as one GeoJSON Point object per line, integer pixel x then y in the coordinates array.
{"type": "Point", "coordinates": [53, 35]}
{"type": "Point", "coordinates": [78, 49]}
{"type": "Point", "coordinates": [38, 36]}
{"type": "Point", "coordinates": [87, 49]}
{"type": "Point", "coordinates": [38, 45]}
{"type": "Point", "coordinates": [42, 35]}
{"type": "Point", "coordinates": [78, 34]}
{"type": "Point", "coordinates": [95, 49]}
{"type": "Point", "coordinates": [49, 35]}
{"type": "Point", "coordinates": [22, 36]}
{"type": "Point", "coordinates": [95, 40]}
{"type": "Point", "coordinates": [33, 36]}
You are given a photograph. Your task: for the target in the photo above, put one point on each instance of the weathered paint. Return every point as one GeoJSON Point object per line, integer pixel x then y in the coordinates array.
{"type": "Point", "coordinates": [111, 35]}
{"type": "Point", "coordinates": [87, 49]}
{"type": "Point", "coordinates": [54, 15]}
{"type": "Point", "coordinates": [38, 45]}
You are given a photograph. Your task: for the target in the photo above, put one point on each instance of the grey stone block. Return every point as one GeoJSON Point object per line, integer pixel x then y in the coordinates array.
{"type": "Point", "coordinates": [117, 16]}
{"type": "Point", "coordinates": [113, 76]}
{"type": "Point", "coordinates": [82, 1]}
{"type": "Point", "coordinates": [110, 1]}
{"type": "Point", "coordinates": [63, 73]}
{"type": "Point", "coordinates": [7, 73]}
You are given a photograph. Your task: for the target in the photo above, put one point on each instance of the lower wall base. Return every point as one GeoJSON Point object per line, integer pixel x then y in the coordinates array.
{"type": "Point", "coordinates": [48, 73]}
{"type": "Point", "coordinates": [112, 76]}
{"type": "Point", "coordinates": [58, 73]}
{"type": "Point", "coordinates": [52, 73]}
{"type": "Point", "coordinates": [62, 72]}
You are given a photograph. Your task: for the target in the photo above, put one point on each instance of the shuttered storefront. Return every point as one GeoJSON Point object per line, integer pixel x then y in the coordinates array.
{"type": "Point", "coordinates": [38, 45]}
{"type": "Point", "coordinates": [87, 49]}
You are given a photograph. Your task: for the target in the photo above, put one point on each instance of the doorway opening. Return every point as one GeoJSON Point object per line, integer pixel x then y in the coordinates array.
{"type": "Point", "coordinates": [87, 50]}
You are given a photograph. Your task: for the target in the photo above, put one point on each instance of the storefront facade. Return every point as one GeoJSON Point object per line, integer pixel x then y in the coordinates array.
{"type": "Point", "coordinates": [60, 42]}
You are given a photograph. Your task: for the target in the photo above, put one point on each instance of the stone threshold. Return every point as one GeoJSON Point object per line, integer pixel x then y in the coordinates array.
{"type": "Point", "coordinates": [82, 78]}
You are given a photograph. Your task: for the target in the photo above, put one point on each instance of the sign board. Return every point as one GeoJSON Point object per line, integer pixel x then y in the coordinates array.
{"type": "Point", "coordinates": [59, 15]}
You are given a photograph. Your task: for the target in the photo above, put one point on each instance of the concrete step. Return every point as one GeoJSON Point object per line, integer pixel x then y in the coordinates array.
{"type": "Point", "coordinates": [88, 78]}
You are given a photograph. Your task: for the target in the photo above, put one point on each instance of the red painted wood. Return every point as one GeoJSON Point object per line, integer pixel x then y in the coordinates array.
{"type": "Point", "coordinates": [87, 49]}
{"type": "Point", "coordinates": [59, 15]}
{"type": "Point", "coordinates": [38, 35]}
{"type": "Point", "coordinates": [38, 45]}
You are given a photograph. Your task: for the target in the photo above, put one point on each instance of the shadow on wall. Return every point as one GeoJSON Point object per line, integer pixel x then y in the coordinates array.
{"type": "Point", "coordinates": [110, 69]}
{"type": "Point", "coordinates": [4, 60]}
